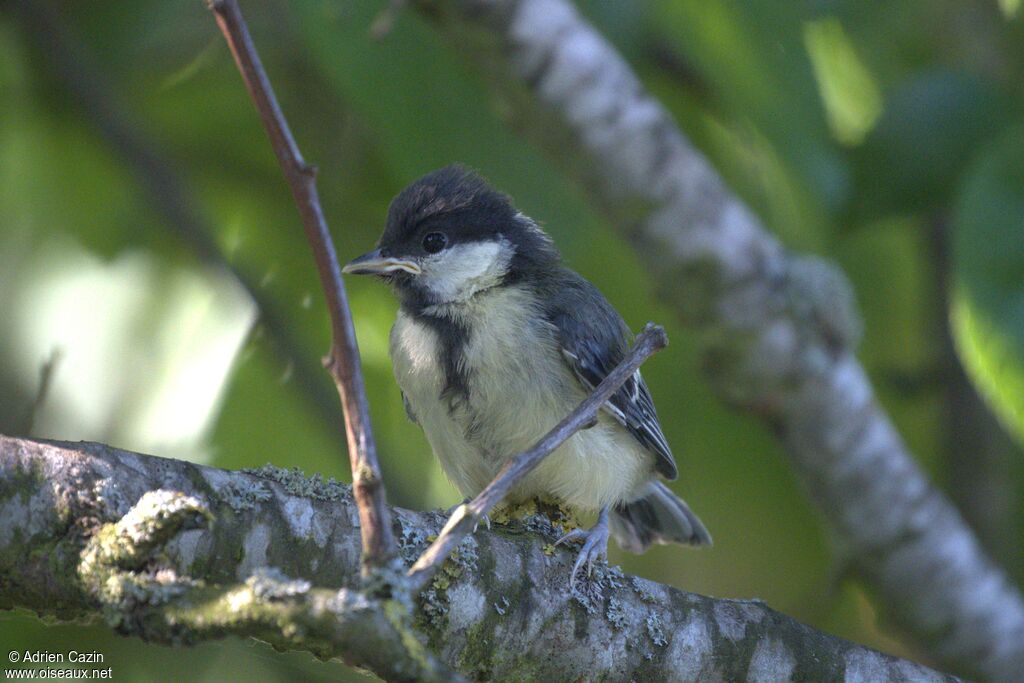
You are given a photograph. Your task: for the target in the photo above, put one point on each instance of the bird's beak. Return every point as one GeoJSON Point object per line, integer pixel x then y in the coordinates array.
{"type": "Point", "coordinates": [374, 263]}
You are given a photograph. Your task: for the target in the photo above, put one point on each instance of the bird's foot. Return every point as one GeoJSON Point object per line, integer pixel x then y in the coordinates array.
{"type": "Point", "coordinates": [465, 501]}
{"type": "Point", "coordinates": [595, 546]}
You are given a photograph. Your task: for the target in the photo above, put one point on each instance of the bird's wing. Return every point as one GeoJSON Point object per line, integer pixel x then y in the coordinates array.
{"type": "Point", "coordinates": [593, 341]}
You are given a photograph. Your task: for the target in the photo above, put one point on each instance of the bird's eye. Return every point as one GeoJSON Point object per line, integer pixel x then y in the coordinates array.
{"type": "Point", "coordinates": [434, 242]}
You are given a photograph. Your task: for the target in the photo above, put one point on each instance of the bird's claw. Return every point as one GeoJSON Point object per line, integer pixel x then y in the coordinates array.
{"type": "Point", "coordinates": [595, 547]}
{"type": "Point", "coordinates": [573, 535]}
{"type": "Point", "coordinates": [487, 521]}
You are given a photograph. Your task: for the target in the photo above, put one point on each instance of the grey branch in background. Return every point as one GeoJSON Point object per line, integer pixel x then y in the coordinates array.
{"type": "Point", "coordinates": [779, 329]}
{"type": "Point", "coordinates": [180, 553]}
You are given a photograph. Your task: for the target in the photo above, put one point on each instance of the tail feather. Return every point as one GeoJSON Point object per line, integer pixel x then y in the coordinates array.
{"type": "Point", "coordinates": [656, 516]}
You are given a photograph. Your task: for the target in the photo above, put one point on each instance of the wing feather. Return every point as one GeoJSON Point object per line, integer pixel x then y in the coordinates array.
{"type": "Point", "coordinates": [593, 341]}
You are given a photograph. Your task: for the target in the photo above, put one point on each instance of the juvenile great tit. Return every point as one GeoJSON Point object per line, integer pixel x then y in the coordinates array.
{"type": "Point", "coordinates": [496, 341]}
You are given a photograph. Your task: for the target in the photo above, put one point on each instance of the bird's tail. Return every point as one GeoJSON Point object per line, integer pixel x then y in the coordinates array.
{"type": "Point", "coordinates": [656, 516]}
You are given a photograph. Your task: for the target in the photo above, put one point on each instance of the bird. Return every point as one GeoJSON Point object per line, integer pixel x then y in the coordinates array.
{"type": "Point", "coordinates": [496, 340]}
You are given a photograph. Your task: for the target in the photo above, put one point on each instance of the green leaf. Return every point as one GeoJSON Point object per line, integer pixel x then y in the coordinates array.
{"type": "Point", "coordinates": [848, 90]}
{"type": "Point", "coordinates": [753, 58]}
{"type": "Point", "coordinates": [988, 253]}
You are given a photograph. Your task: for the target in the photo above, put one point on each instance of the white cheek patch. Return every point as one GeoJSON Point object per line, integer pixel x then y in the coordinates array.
{"type": "Point", "coordinates": [458, 273]}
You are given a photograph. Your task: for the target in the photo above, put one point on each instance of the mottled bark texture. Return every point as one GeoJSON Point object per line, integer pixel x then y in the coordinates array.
{"type": "Point", "coordinates": [779, 329]}
{"type": "Point", "coordinates": [177, 553]}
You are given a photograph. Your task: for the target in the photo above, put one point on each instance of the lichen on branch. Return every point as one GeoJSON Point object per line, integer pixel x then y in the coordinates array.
{"type": "Point", "coordinates": [779, 330]}
{"type": "Point", "coordinates": [143, 594]}
{"type": "Point", "coordinates": [179, 553]}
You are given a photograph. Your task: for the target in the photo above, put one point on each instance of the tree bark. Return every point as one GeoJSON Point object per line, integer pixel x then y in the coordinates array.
{"type": "Point", "coordinates": [177, 552]}
{"type": "Point", "coordinates": [779, 329]}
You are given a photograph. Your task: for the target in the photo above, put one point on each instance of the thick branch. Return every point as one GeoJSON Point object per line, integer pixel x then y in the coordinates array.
{"type": "Point", "coordinates": [343, 362]}
{"type": "Point", "coordinates": [466, 517]}
{"type": "Point", "coordinates": [83, 522]}
{"type": "Point", "coordinates": [120, 567]}
{"type": "Point", "coordinates": [780, 330]}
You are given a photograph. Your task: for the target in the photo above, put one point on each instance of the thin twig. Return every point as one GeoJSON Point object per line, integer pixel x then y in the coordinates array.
{"type": "Point", "coordinates": [465, 517]}
{"type": "Point", "coordinates": [46, 373]}
{"type": "Point", "coordinates": [343, 362]}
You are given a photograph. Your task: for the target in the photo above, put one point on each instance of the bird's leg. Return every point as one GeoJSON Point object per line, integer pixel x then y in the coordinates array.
{"type": "Point", "coordinates": [595, 545]}
{"type": "Point", "coordinates": [465, 501]}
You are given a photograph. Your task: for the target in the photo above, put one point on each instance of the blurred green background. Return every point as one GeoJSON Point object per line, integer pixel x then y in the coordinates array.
{"type": "Point", "coordinates": [141, 210]}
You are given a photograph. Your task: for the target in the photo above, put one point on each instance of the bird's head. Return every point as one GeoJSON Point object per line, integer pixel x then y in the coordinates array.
{"type": "Point", "coordinates": [449, 235]}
